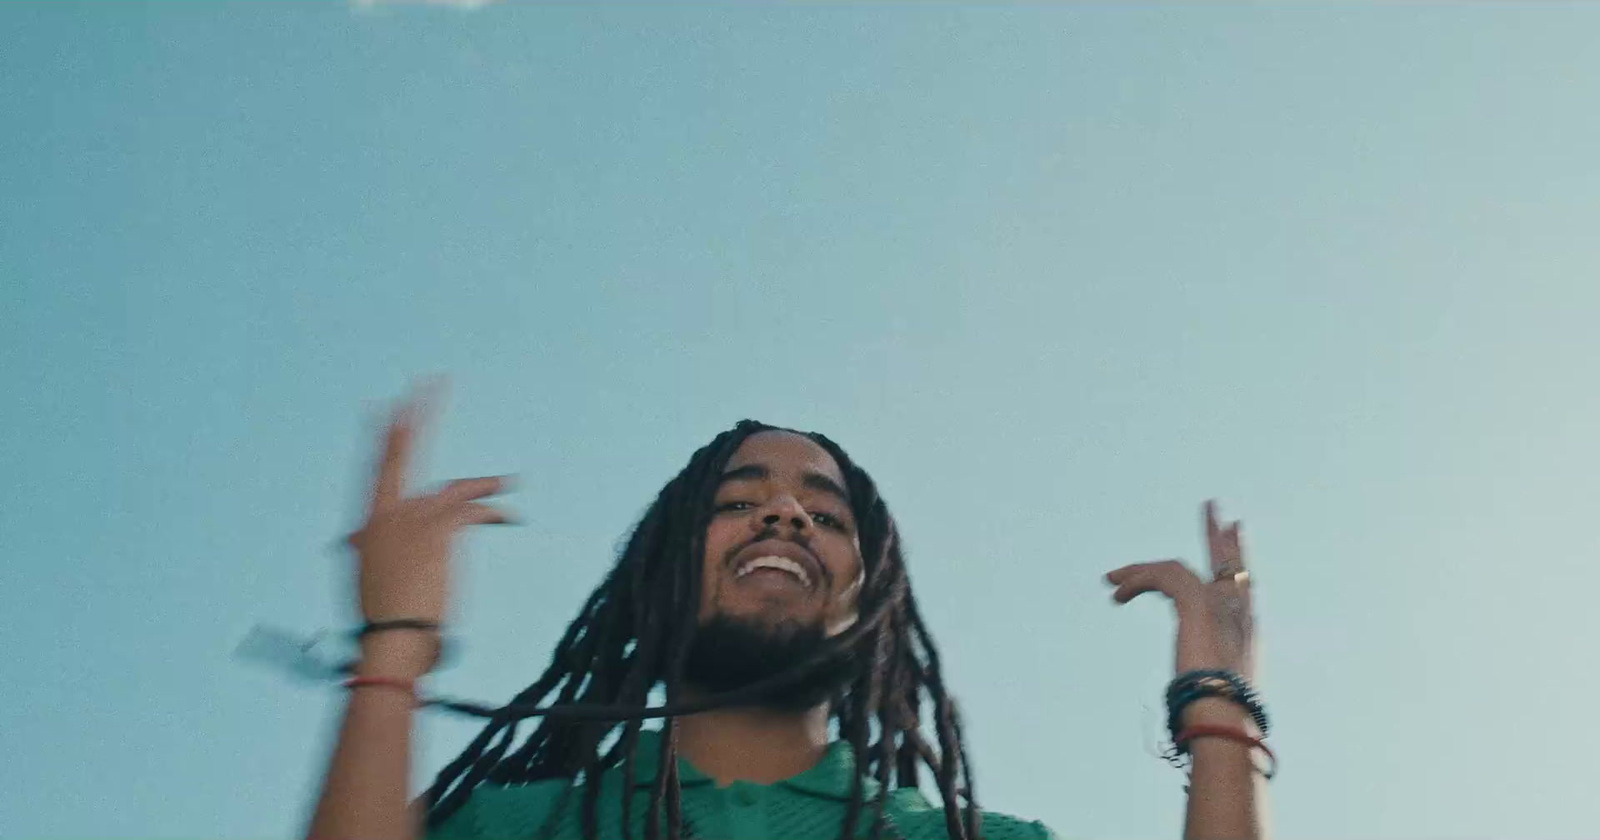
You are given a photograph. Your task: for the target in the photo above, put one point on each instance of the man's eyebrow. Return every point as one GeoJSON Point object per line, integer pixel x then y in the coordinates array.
{"type": "Point", "coordinates": [811, 479]}
{"type": "Point", "coordinates": [748, 472]}
{"type": "Point", "coordinates": [818, 481]}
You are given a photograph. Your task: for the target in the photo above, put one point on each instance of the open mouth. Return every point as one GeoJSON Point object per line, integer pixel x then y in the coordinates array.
{"type": "Point", "coordinates": [772, 568]}
{"type": "Point", "coordinates": [777, 564]}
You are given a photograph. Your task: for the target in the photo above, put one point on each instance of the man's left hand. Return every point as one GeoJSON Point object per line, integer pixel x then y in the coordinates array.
{"type": "Point", "coordinates": [1215, 618]}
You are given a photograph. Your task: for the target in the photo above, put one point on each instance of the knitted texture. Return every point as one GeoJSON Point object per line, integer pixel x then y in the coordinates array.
{"type": "Point", "coordinates": [551, 810]}
{"type": "Point", "coordinates": [810, 806]}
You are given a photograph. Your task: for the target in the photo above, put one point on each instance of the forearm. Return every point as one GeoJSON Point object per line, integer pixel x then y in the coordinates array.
{"type": "Point", "coordinates": [1226, 799]}
{"type": "Point", "coordinates": [365, 795]}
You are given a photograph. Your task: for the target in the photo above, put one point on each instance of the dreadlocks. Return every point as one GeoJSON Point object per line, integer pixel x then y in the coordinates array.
{"type": "Point", "coordinates": [635, 631]}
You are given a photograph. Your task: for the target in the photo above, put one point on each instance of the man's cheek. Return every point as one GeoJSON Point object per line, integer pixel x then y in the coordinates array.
{"type": "Point", "coordinates": [716, 546]}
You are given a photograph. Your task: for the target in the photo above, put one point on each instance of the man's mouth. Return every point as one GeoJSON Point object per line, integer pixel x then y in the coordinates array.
{"type": "Point", "coordinates": [774, 562]}
{"type": "Point", "coordinates": [771, 565]}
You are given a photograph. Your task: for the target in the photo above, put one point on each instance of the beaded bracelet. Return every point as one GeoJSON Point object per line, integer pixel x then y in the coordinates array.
{"type": "Point", "coordinates": [1194, 685]}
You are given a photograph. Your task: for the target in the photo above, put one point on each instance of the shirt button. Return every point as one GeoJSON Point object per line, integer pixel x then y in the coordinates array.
{"type": "Point", "coordinates": [744, 796]}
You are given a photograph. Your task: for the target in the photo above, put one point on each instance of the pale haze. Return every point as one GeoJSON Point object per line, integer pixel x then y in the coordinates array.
{"type": "Point", "coordinates": [1054, 274]}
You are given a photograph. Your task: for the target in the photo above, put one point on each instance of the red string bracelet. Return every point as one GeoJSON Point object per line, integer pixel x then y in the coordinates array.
{"type": "Point", "coordinates": [1202, 730]}
{"type": "Point", "coordinates": [408, 686]}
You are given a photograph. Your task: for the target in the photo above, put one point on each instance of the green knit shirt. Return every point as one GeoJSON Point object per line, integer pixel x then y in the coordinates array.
{"type": "Point", "coordinates": [810, 806]}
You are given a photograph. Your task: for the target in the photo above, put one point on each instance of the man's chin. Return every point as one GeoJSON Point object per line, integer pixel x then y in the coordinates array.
{"type": "Point", "coordinates": [732, 651]}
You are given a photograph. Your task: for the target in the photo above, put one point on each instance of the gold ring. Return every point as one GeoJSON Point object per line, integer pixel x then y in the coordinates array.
{"type": "Point", "coordinates": [1240, 576]}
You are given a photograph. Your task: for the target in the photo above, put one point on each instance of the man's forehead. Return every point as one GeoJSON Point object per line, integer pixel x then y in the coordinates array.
{"type": "Point", "coordinates": [785, 451]}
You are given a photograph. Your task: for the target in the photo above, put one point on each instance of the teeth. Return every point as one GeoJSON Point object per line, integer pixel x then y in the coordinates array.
{"type": "Point", "coordinates": [775, 562]}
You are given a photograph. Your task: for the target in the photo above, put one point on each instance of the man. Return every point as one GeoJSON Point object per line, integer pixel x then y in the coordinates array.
{"type": "Point", "coordinates": [764, 591]}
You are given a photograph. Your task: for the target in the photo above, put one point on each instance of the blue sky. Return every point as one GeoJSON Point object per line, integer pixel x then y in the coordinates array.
{"type": "Point", "coordinates": [1054, 273]}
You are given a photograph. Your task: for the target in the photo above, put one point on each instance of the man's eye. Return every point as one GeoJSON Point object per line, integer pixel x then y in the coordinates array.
{"type": "Point", "coordinates": [736, 506]}
{"type": "Point", "coordinates": [828, 519]}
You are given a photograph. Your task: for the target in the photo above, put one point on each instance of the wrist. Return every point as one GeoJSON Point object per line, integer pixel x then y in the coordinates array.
{"type": "Point", "coordinates": [397, 654]}
{"type": "Point", "coordinates": [1226, 694]}
{"type": "Point", "coordinates": [1219, 711]}
{"type": "Point", "coordinates": [389, 692]}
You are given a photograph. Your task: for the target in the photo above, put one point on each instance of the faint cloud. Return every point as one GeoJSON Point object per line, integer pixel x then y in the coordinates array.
{"type": "Point", "coordinates": [454, 4]}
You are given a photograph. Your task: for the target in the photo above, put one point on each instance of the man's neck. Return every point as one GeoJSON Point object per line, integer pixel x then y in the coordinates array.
{"type": "Point", "coordinates": [753, 744]}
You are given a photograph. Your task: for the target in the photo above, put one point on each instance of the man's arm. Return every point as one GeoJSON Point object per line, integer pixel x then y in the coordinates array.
{"type": "Point", "coordinates": [1223, 793]}
{"type": "Point", "coordinates": [364, 795]}
{"type": "Point", "coordinates": [1216, 631]}
{"type": "Point", "coordinates": [403, 554]}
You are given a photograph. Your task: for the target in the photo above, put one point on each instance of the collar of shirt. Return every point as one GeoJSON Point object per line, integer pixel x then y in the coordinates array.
{"type": "Point", "coordinates": [831, 777]}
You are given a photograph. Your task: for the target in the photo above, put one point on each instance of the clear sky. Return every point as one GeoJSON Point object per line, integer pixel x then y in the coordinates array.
{"type": "Point", "coordinates": [1053, 273]}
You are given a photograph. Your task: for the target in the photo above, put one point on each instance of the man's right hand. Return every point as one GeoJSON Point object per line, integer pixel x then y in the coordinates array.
{"type": "Point", "coordinates": [403, 548]}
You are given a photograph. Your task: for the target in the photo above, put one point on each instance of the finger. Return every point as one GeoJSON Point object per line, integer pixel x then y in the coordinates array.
{"type": "Point", "coordinates": [1131, 586]}
{"type": "Point", "coordinates": [1229, 555]}
{"type": "Point", "coordinates": [1148, 580]}
{"type": "Point", "coordinates": [1233, 548]}
{"type": "Point", "coordinates": [477, 513]}
{"type": "Point", "coordinates": [1116, 576]}
{"type": "Point", "coordinates": [1220, 541]}
{"type": "Point", "coordinates": [409, 418]}
{"type": "Point", "coordinates": [429, 395]}
{"type": "Point", "coordinates": [389, 484]}
{"type": "Point", "coordinates": [1213, 534]}
{"type": "Point", "coordinates": [467, 489]}
{"type": "Point", "coordinates": [1170, 577]}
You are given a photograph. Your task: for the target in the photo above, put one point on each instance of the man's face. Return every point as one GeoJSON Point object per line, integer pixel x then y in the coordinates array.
{"type": "Point", "coordinates": [783, 567]}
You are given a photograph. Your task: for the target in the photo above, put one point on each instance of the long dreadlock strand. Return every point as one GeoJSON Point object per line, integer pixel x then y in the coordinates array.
{"type": "Point", "coordinates": [645, 653]}
{"type": "Point", "coordinates": [564, 669]}
{"type": "Point", "coordinates": [672, 788]}
{"type": "Point", "coordinates": [974, 815]}
{"type": "Point", "coordinates": [882, 698]}
{"type": "Point", "coordinates": [944, 725]}
{"type": "Point", "coordinates": [628, 743]}
{"type": "Point", "coordinates": [857, 736]}
{"type": "Point", "coordinates": [553, 675]}
{"type": "Point", "coordinates": [892, 725]}
{"type": "Point", "coordinates": [910, 700]}
{"type": "Point", "coordinates": [889, 723]}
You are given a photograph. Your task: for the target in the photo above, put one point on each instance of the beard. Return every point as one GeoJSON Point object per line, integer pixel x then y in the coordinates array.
{"type": "Point", "coordinates": [729, 653]}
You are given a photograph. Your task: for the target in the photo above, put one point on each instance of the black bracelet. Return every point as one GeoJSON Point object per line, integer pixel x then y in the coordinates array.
{"type": "Point", "coordinates": [396, 624]}
{"type": "Point", "coordinates": [1194, 685]}
{"type": "Point", "coordinates": [441, 657]}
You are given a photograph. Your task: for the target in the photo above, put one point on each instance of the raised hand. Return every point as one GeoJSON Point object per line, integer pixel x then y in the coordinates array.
{"type": "Point", "coordinates": [403, 547]}
{"type": "Point", "coordinates": [1216, 625]}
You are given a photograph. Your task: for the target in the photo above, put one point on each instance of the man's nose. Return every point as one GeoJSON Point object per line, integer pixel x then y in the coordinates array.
{"type": "Point", "coordinates": [785, 509]}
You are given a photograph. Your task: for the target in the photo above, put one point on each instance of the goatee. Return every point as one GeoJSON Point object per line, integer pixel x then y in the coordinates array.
{"type": "Point", "coordinates": [730, 653]}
